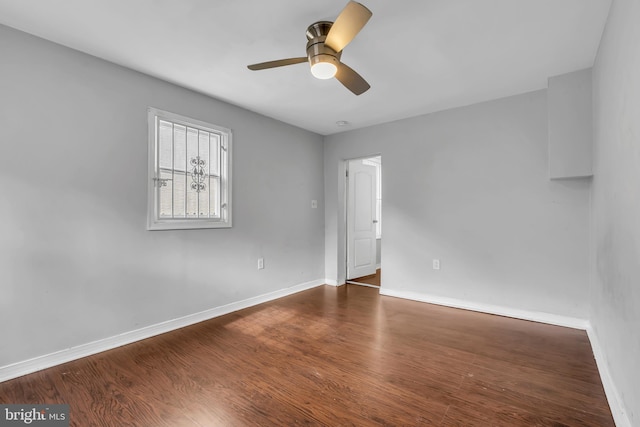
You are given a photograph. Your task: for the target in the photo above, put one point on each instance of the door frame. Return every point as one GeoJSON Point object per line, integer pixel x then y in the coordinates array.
{"type": "Point", "coordinates": [343, 170]}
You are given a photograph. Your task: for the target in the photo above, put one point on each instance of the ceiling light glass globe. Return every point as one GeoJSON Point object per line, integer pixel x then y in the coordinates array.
{"type": "Point", "coordinates": [323, 70]}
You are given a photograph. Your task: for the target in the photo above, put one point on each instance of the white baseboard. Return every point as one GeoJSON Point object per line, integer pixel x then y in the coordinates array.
{"type": "Point", "coordinates": [19, 369]}
{"type": "Point", "coordinates": [349, 282]}
{"type": "Point", "coordinates": [331, 282]}
{"type": "Point", "coordinates": [616, 404]}
{"type": "Point", "coordinates": [46, 361]}
{"type": "Point", "coordinates": [535, 316]}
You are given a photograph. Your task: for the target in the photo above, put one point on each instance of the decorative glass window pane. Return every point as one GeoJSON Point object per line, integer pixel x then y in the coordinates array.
{"type": "Point", "coordinates": [189, 167]}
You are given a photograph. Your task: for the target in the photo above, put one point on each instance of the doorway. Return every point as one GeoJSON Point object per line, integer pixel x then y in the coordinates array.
{"type": "Point", "coordinates": [363, 221]}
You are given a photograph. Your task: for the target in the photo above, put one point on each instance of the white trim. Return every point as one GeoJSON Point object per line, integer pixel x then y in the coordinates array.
{"type": "Point", "coordinates": [331, 282]}
{"type": "Point", "coordinates": [25, 367]}
{"type": "Point", "coordinates": [351, 282]}
{"type": "Point", "coordinates": [616, 404]}
{"type": "Point", "coordinates": [536, 316]}
{"type": "Point", "coordinates": [154, 222]}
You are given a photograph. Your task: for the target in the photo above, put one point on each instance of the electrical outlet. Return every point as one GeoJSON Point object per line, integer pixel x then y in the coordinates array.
{"type": "Point", "coordinates": [436, 264]}
{"type": "Point", "coordinates": [260, 263]}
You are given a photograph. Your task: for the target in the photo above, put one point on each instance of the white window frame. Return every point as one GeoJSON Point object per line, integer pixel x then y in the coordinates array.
{"type": "Point", "coordinates": [154, 222]}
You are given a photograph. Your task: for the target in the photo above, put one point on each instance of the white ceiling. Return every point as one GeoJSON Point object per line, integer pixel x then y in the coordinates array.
{"type": "Point", "coordinates": [419, 56]}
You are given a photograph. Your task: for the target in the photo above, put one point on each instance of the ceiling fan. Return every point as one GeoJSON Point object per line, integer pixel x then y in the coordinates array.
{"type": "Point", "coordinates": [326, 40]}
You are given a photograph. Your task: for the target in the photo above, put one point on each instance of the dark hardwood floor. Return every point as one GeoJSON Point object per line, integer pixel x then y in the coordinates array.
{"type": "Point", "coordinates": [334, 357]}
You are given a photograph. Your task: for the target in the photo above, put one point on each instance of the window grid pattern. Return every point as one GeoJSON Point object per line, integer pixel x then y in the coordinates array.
{"type": "Point", "coordinates": [190, 174]}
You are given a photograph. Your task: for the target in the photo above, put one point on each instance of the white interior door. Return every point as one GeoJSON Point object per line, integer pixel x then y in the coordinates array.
{"type": "Point", "coordinates": [361, 220]}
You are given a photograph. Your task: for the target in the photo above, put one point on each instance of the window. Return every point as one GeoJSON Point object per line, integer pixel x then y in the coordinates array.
{"type": "Point", "coordinates": [189, 173]}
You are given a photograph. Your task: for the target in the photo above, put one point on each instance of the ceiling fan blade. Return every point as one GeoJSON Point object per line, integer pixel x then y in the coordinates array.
{"type": "Point", "coordinates": [351, 80]}
{"type": "Point", "coordinates": [278, 63]}
{"type": "Point", "coordinates": [348, 24]}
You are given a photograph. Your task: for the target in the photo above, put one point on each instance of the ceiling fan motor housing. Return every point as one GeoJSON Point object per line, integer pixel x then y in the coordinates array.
{"type": "Point", "coordinates": [316, 50]}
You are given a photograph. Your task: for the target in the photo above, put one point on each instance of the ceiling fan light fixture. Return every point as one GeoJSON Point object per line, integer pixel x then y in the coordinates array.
{"type": "Point", "coordinates": [324, 66]}
{"type": "Point", "coordinates": [325, 43]}
{"type": "Point", "coordinates": [323, 70]}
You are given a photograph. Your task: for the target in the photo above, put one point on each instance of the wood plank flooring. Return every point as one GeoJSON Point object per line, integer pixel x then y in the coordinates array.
{"type": "Point", "coordinates": [372, 279]}
{"type": "Point", "coordinates": [334, 357]}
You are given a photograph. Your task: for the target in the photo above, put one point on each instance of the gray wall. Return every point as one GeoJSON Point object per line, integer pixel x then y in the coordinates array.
{"type": "Point", "coordinates": [470, 187]}
{"type": "Point", "coordinates": [76, 261]}
{"type": "Point", "coordinates": [615, 300]}
{"type": "Point", "coordinates": [570, 125]}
